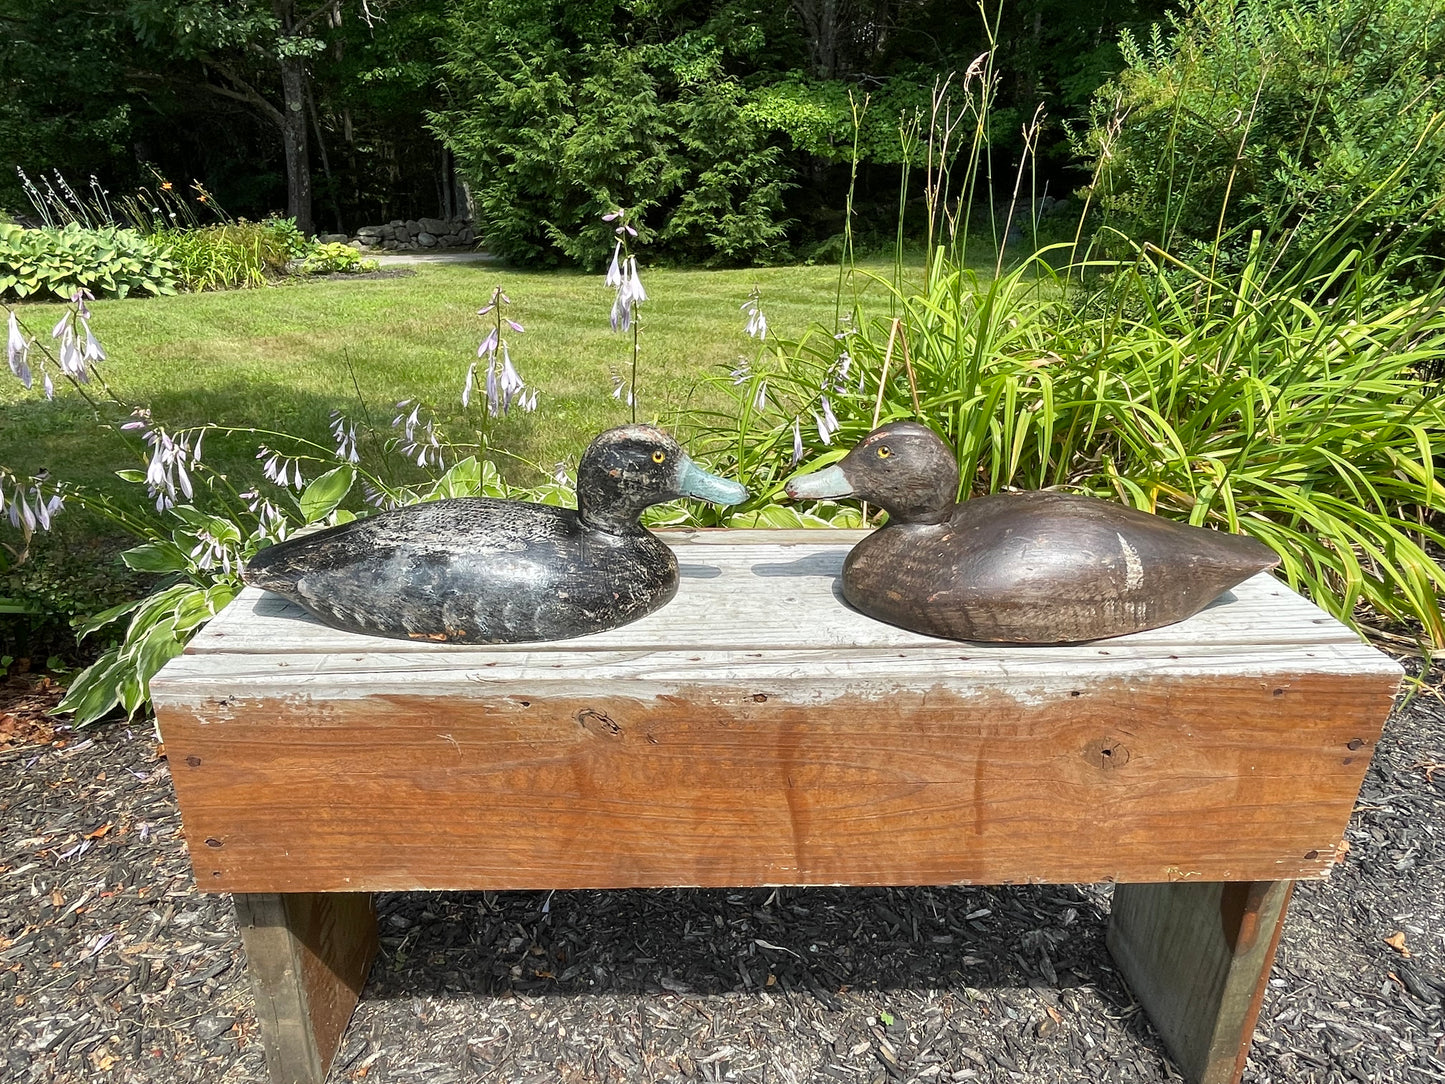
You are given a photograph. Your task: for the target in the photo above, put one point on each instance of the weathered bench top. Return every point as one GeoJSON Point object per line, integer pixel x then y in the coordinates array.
{"type": "Point", "coordinates": [758, 730]}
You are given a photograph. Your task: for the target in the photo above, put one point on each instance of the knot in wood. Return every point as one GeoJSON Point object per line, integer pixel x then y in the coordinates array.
{"type": "Point", "coordinates": [1106, 753]}
{"type": "Point", "coordinates": [599, 723]}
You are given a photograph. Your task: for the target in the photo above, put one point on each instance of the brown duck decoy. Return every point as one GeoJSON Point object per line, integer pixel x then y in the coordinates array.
{"type": "Point", "coordinates": [476, 570]}
{"type": "Point", "coordinates": [1029, 568]}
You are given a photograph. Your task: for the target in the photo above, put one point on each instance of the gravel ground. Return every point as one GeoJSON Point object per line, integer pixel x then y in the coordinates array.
{"type": "Point", "coordinates": [113, 969]}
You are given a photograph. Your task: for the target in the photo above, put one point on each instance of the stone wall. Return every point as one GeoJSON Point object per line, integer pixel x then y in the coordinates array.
{"type": "Point", "coordinates": [411, 235]}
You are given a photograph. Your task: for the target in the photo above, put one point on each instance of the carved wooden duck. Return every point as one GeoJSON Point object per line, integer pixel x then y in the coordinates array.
{"type": "Point", "coordinates": [477, 570]}
{"type": "Point", "coordinates": [1030, 567]}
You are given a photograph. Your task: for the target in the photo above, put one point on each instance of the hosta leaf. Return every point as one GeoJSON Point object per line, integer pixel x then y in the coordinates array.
{"type": "Point", "coordinates": [156, 557]}
{"type": "Point", "coordinates": [321, 497]}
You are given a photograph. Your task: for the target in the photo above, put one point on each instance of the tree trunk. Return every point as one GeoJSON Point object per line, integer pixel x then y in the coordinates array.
{"type": "Point", "coordinates": [821, 24]}
{"type": "Point", "coordinates": [293, 127]}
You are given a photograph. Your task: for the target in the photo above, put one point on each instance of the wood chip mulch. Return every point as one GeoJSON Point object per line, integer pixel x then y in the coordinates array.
{"type": "Point", "coordinates": [112, 968]}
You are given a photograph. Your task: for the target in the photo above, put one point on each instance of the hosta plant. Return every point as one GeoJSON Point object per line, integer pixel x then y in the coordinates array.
{"type": "Point", "coordinates": [108, 261]}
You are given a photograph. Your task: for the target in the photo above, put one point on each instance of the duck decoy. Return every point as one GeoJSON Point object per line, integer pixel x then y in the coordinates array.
{"type": "Point", "coordinates": [478, 570]}
{"type": "Point", "coordinates": [1022, 567]}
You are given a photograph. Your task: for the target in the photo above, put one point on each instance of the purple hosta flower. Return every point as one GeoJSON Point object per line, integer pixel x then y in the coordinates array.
{"type": "Point", "coordinates": [210, 551]}
{"type": "Point", "coordinates": [72, 362]}
{"type": "Point", "coordinates": [622, 227]}
{"type": "Point", "coordinates": [837, 375]}
{"type": "Point", "coordinates": [621, 315]}
{"type": "Point", "coordinates": [614, 271]}
{"type": "Point", "coordinates": [140, 418]}
{"type": "Point", "coordinates": [377, 498]}
{"type": "Point", "coordinates": [504, 385]}
{"type": "Point", "coordinates": [742, 372]}
{"type": "Point", "coordinates": [512, 386]}
{"type": "Point", "coordinates": [559, 473]}
{"type": "Point", "coordinates": [17, 349]}
{"type": "Point", "coordinates": [629, 294]}
{"type": "Point", "coordinates": [166, 473]}
{"type": "Point", "coordinates": [281, 470]}
{"type": "Point", "coordinates": [411, 420]}
{"type": "Point", "coordinates": [493, 400]}
{"type": "Point", "coordinates": [619, 386]}
{"type": "Point", "coordinates": [489, 344]}
{"type": "Point", "coordinates": [635, 281]}
{"type": "Point", "coordinates": [45, 507]}
{"type": "Point", "coordinates": [32, 509]}
{"type": "Point", "coordinates": [757, 326]}
{"type": "Point", "coordinates": [467, 385]}
{"type": "Point", "coordinates": [827, 423]}
{"type": "Point", "coordinates": [797, 443]}
{"type": "Point", "coordinates": [272, 520]}
{"type": "Point", "coordinates": [344, 433]}
{"type": "Point", "coordinates": [418, 439]}
{"type": "Point", "coordinates": [92, 351]}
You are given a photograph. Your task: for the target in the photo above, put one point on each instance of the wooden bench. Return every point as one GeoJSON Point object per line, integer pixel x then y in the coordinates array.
{"type": "Point", "coordinates": [756, 731]}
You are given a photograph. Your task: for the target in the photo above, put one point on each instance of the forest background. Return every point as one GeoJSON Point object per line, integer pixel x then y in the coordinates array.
{"type": "Point", "coordinates": [726, 125]}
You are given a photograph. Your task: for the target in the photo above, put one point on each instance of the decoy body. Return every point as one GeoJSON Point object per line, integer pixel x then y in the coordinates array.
{"type": "Point", "coordinates": [476, 570]}
{"type": "Point", "coordinates": [1031, 567]}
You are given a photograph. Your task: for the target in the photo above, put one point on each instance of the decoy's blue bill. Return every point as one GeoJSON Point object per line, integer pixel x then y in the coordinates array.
{"type": "Point", "coordinates": [697, 482]}
{"type": "Point", "coordinates": [828, 482]}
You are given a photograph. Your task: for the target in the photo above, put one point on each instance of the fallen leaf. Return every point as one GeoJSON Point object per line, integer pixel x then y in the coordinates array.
{"type": "Point", "coordinates": [56, 899]}
{"type": "Point", "coordinates": [102, 830]}
{"type": "Point", "coordinates": [1397, 942]}
{"type": "Point", "coordinates": [102, 1059]}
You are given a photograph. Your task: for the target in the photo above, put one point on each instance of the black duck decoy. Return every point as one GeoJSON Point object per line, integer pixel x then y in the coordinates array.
{"type": "Point", "coordinates": [1029, 567]}
{"type": "Point", "coordinates": [477, 570]}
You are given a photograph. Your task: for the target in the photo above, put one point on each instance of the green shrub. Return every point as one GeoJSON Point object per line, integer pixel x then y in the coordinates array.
{"type": "Point", "coordinates": [552, 139]}
{"type": "Point", "coordinates": [109, 262]}
{"type": "Point", "coordinates": [335, 257]}
{"type": "Point", "coordinates": [1312, 121]}
{"type": "Point", "coordinates": [233, 255]}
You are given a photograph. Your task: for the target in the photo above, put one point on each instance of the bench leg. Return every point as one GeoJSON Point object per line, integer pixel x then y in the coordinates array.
{"type": "Point", "coordinates": [1197, 957]}
{"type": "Point", "coordinates": [308, 954]}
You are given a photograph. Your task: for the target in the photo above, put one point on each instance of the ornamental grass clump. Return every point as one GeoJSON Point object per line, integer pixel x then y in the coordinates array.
{"type": "Point", "coordinates": [240, 254]}
{"type": "Point", "coordinates": [1290, 404]}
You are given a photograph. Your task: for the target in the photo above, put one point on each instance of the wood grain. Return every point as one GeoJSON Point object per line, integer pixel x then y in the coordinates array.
{"type": "Point", "coordinates": [308, 956]}
{"type": "Point", "coordinates": [1197, 957]}
{"type": "Point", "coordinates": [758, 731]}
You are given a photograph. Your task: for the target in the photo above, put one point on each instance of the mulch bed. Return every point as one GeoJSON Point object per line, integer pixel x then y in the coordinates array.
{"type": "Point", "coordinates": [112, 968]}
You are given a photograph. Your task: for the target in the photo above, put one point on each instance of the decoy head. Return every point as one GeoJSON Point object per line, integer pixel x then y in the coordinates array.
{"type": "Point", "coordinates": [625, 470]}
{"type": "Point", "coordinates": [904, 468]}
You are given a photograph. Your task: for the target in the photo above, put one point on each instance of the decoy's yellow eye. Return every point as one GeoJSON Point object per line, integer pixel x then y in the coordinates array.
{"type": "Point", "coordinates": [659, 456]}
{"type": "Point", "coordinates": [884, 451]}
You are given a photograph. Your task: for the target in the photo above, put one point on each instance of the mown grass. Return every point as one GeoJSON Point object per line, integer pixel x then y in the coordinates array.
{"type": "Point", "coordinates": [284, 358]}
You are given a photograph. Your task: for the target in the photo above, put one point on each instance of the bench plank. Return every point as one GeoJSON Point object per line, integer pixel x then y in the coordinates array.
{"type": "Point", "coordinates": [308, 956]}
{"type": "Point", "coordinates": [1197, 957]}
{"type": "Point", "coordinates": [676, 751]}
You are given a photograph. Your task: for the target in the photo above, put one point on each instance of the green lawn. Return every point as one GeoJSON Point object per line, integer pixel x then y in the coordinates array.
{"type": "Point", "coordinates": [278, 358]}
